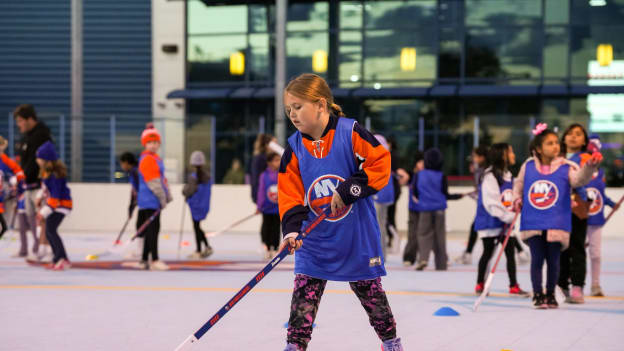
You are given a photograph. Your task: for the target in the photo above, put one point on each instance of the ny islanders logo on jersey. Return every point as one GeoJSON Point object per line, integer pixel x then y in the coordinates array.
{"type": "Point", "coordinates": [271, 193]}
{"type": "Point", "coordinates": [507, 199]}
{"type": "Point", "coordinates": [320, 193]}
{"type": "Point", "coordinates": [597, 201]}
{"type": "Point", "coordinates": [543, 194]}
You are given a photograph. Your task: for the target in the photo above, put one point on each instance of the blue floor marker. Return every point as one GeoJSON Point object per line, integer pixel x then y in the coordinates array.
{"type": "Point", "coordinates": [446, 312]}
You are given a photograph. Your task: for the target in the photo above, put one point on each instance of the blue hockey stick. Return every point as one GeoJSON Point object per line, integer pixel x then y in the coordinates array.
{"type": "Point", "coordinates": [193, 338]}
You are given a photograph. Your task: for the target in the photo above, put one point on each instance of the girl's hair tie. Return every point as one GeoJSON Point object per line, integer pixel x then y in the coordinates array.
{"type": "Point", "coordinates": [540, 128]}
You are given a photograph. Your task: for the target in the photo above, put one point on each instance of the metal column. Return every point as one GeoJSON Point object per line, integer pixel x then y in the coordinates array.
{"type": "Point", "coordinates": [280, 69]}
{"type": "Point", "coordinates": [76, 90]}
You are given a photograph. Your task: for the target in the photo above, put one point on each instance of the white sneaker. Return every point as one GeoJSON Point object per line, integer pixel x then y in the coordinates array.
{"type": "Point", "coordinates": [407, 263]}
{"type": "Point", "coordinates": [207, 252]}
{"type": "Point", "coordinates": [159, 266]}
{"type": "Point", "coordinates": [194, 256]}
{"type": "Point", "coordinates": [523, 257]}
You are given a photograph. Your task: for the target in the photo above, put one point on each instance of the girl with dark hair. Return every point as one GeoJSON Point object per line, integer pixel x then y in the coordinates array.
{"type": "Point", "coordinates": [574, 260]}
{"type": "Point", "coordinates": [542, 193]}
{"type": "Point", "coordinates": [494, 213]}
{"type": "Point", "coordinates": [197, 194]}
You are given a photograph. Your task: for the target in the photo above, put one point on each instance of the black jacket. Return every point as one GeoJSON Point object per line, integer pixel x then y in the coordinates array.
{"type": "Point", "coordinates": [28, 146]}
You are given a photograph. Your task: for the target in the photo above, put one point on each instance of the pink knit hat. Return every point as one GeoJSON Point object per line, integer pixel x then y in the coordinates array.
{"type": "Point", "coordinates": [150, 134]}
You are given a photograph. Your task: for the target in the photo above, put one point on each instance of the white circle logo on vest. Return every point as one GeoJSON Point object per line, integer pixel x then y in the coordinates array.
{"type": "Point", "coordinates": [543, 194]}
{"type": "Point", "coordinates": [597, 202]}
{"type": "Point", "coordinates": [320, 193]}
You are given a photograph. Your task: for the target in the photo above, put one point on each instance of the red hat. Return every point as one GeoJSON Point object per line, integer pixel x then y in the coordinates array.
{"type": "Point", "coordinates": [150, 134]}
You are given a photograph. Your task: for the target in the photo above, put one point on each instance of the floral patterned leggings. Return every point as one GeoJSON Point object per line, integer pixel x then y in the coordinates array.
{"type": "Point", "coordinates": [307, 297]}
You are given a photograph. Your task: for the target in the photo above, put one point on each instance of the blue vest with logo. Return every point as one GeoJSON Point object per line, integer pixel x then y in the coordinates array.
{"type": "Point", "coordinates": [546, 202]}
{"type": "Point", "coordinates": [385, 196]}
{"type": "Point", "coordinates": [269, 206]}
{"type": "Point", "coordinates": [430, 196]}
{"type": "Point", "coordinates": [199, 202]}
{"type": "Point", "coordinates": [484, 220]}
{"type": "Point", "coordinates": [596, 193]}
{"type": "Point", "coordinates": [145, 197]}
{"type": "Point", "coordinates": [347, 246]}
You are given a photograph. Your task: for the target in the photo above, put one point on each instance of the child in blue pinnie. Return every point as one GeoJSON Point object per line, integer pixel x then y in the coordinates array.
{"type": "Point", "coordinates": [266, 201]}
{"type": "Point", "coordinates": [197, 193]}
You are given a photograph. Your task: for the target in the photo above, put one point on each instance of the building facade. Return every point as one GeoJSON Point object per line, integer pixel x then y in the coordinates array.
{"type": "Point", "coordinates": [426, 73]}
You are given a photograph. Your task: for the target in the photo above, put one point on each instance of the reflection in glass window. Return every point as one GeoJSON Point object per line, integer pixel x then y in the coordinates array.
{"type": "Point", "coordinates": [585, 41]}
{"type": "Point", "coordinates": [392, 14]}
{"type": "Point", "coordinates": [258, 61]}
{"type": "Point", "coordinates": [382, 56]}
{"type": "Point", "coordinates": [261, 18]}
{"type": "Point", "coordinates": [555, 52]}
{"type": "Point", "coordinates": [351, 14]}
{"type": "Point", "coordinates": [307, 16]}
{"type": "Point", "coordinates": [300, 46]}
{"type": "Point", "coordinates": [503, 12]}
{"type": "Point", "coordinates": [204, 19]}
{"type": "Point", "coordinates": [610, 13]}
{"type": "Point", "coordinates": [557, 11]}
{"type": "Point", "coordinates": [350, 61]}
{"type": "Point", "coordinates": [209, 56]}
{"type": "Point", "coordinates": [508, 52]}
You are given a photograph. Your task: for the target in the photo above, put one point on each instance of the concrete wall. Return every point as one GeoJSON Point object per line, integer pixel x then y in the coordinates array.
{"type": "Point", "coordinates": [103, 207]}
{"type": "Point", "coordinates": [167, 75]}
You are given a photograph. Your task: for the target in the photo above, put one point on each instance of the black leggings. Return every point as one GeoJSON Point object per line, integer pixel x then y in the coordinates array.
{"type": "Point", "coordinates": [472, 238]}
{"type": "Point", "coordinates": [150, 234]}
{"type": "Point", "coordinates": [489, 244]}
{"type": "Point", "coordinates": [574, 260]}
{"type": "Point", "coordinates": [51, 226]}
{"type": "Point", "coordinates": [4, 225]}
{"type": "Point", "coordinates": [270, 231]}
{"type": "Point", "coordinates": [200, 236]}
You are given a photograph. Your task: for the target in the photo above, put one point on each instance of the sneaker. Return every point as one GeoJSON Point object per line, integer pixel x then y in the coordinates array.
{"type": "Point", "coordinates": [566, 294]}
{"type": "Point", "coordinates": [408, 263]}
{"type": "Point", "coordinates": [207, 252]}
{"type": "Point", "coordinates": [137, 265]}
{"type": "Point", "coordinates": [421, 265]}
{"type": "Point", "coordinates": [159, 266]}
{"type": "Point", "coordinates": [465, 258]}
{"type": "Point", "coordinates": [539, 301]}
{"type": "Point", "coordinates": [551, 301]}
{"type": "Point", "coordinates": [596, 290]}
{"type": "Point", "coordinates": [523, 258]}
{"type": "Point", "coordinates": [194, 256]}
{"type": "Point", "coordinates": [62, 265]}
{"type": "Point", "coordinates": [479, 288]}
{"type": "Point", "coordinates": [576, 295]}
{"type": "Point", "coordinates": [392, 345]}
{"type": "Point", "coordinates": [515, 290]}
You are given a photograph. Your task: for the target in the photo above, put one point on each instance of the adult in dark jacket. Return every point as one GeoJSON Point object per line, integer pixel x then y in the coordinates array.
{"type": "Point", "coordinates": [258, 162]}
{"type": "Point", "coordinates": [34, 134]}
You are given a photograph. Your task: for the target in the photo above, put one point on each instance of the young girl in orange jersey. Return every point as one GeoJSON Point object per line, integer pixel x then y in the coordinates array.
{"type": "Point", "coordinates": [332, 162]}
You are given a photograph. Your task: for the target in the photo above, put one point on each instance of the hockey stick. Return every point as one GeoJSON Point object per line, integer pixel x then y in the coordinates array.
{"type": "Point", "coordinates": [488, 281]}
{"type": "Point", "coordinates": [193, 338]}
{"type": "Point", "coordinates": [612, 211]}
{"type": "Point", "coordinates": [181, 229]}
{"type": "Point", "coordinates": [121, 246]}
{"type": "Point", "coordinates": [213, 234]}
{"type": "Point", "coordinates": [123, 229]}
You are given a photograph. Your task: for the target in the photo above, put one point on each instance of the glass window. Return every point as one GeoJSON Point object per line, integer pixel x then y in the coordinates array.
{"type": "Point", "coordinates": [557, 11]}
{"type": "Point", "coordinates": [503, 12]}
{"type": "Point", "coordinates": [209, 57]}
{"type": "Point", "coordinates": [204, 19]}
{"type": "Point", "coordinates": [259, 59]}
{"type": "Point", "coordinates": [300, 47]}
{"type": "Point", "coordinates": [392, 14]}
{"type": "Point", "coordinates": [597, 12]}
{"type": "Point", "coordinates": [350, 65]}
{"type": "Point", "coordinates": [351, 14]}
{"type": "Point", "coordinates": [307, 16]}
{"type": "Point", "coordinates": [555, 52]}
{"type": "Point", "coordinates": [450, 53]}
{"type": "Point", "coordinates": [382, 56]}
{"type": "Point", "coordinates": [261, 18]}
{"type": "Point", "coordinates": [508, 52]}
{"type": "Point", "coordinates": [585, 41]}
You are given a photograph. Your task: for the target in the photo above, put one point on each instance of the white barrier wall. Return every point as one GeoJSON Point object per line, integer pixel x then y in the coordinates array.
{"type": "Point", "coordinates": [104, 207]}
